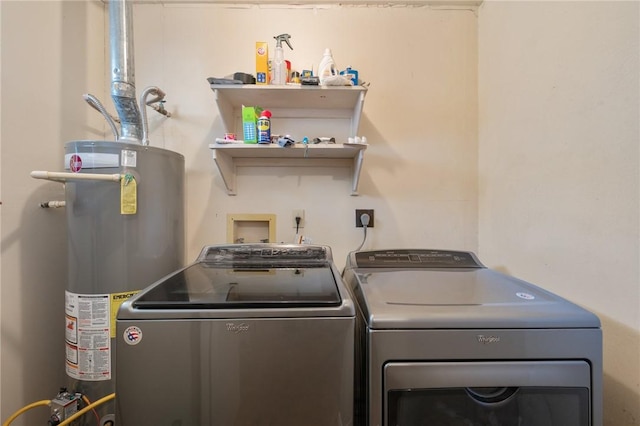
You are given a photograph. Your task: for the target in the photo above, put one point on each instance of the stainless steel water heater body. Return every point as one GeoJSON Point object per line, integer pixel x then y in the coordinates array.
{"type": "Point", "coordinates": [113, 255]}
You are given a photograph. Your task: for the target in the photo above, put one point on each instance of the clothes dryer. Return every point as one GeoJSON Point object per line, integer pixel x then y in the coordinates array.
{"type": "Point", "coordinates": [444, 340]}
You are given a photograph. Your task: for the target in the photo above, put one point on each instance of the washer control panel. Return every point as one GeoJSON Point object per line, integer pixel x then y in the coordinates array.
{"type": "Point", "coordinates": [257, 253]}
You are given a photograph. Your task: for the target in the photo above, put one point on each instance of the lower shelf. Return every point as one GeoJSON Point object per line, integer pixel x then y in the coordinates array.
{"type": "Point", "coordinates": [228, 157]}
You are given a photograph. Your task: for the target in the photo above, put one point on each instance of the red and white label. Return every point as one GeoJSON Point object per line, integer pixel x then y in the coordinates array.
{"type": "Point", "coordinates": [132, 335]}
{"type": "Point", "coordinates": [75, 163]}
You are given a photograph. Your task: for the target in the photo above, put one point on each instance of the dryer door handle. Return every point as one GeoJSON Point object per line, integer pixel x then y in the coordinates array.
{"type": "Point", "coordinates": [491, 395]}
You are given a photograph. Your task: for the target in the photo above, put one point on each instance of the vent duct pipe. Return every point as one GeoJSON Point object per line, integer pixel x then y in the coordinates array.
{"type": "Point", "coordinates": [123, 90]}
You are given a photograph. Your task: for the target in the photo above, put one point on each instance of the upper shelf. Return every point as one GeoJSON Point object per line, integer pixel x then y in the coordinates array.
{"type": "Point", "coordinates": [292, 101]}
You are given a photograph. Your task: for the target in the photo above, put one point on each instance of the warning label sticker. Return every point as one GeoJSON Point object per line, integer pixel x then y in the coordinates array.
{"type": "Point", "coordinates": [128, 158]}
{"type": "Point", "coordinates": [88, 336]}
{"type": "Point", "coordinates": [71, 330]}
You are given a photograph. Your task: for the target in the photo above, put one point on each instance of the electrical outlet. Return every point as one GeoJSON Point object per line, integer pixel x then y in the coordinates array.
{"type": "Point", "coordinates": [297, 213]}
{"type": "Point", "coordinates": [359, 213]}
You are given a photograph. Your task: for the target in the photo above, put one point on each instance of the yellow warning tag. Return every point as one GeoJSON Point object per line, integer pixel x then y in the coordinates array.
{"type": "Point", "coordinates": [128, 195]}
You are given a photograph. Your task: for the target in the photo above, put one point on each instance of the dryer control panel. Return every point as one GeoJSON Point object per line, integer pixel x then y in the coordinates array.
{"type": "Point", "coordinates": [417, 258]}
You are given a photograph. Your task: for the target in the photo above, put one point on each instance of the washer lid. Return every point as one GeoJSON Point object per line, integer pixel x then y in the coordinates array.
{"type": "Point", "coordinates": [247, 281]}
{"type": "Point", "coordinates": [214, 286]}
{"type": "Point", "coordinates": [461, 298]}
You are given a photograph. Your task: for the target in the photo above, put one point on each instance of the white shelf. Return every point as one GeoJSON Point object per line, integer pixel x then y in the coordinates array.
{"type": "Point", "coordinates": [318, 102]}
{"type": "Point", "coordinates": [228, 157]}
{"type": "Point", "coordinates": [344, 102]}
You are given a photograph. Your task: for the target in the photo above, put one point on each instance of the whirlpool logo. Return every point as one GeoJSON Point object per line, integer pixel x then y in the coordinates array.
{"type": "Point", "coordinates": [486, 340]}
{"type": "Point", "coordinates": [237, 328]}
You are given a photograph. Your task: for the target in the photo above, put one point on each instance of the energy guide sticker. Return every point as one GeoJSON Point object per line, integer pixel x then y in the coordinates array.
{"type": "Point", "coordinates": [118, 299]}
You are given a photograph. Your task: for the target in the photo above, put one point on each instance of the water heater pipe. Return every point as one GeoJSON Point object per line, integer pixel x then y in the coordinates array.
{"type": "Point", "coordinates": [95, 103]}
{"type": "Point", "coordinates": [67, 176]}
{"type": "Point", "coordinates": [42, 403]}
{"type": "Point", "coordinates": [53, 204]}
{"type": "Point", "coordinates": [159, 96]}
{"type": "Point", "coordinates": [123, 90]}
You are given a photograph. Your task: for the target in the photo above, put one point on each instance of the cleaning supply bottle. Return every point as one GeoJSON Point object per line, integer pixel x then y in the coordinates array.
{"type": "Point", "coordinates": [327, 67]}
{"type": "Point", "coordinates": [264, 127]}
{"type": "Point", "coordinates": [279, 65]}
{"type": "Point", "coordinates": [351, 74]}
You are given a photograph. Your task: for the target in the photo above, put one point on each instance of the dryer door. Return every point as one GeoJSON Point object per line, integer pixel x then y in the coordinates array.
{"type": "Point", "coordinates": [544, 393]}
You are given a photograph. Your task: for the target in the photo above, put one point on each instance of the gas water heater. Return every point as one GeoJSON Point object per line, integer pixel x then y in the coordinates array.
{"type": "Point", "coordinates": [122, 236]}
{"type": "Point", "coordinates": [125, 217]}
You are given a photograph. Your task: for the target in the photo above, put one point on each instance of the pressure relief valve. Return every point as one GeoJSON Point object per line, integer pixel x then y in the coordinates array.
{"type": "Point", "coordinates": [279, 65]}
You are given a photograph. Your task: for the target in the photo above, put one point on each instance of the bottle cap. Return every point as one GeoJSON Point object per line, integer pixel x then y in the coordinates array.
{"type": "Point", "coordinates": [265, 113]}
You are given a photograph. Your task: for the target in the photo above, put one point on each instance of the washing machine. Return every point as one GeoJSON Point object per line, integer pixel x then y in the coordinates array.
{"type": "Point", "coordinates": [249, 334]}
{"type": "Point", "coordinates": [443, 340]}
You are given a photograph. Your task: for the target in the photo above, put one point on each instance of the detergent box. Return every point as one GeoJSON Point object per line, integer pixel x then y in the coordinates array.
{"type": "Point", "coordinates": [262, 62]}
{"type": "Point", "coordinates": [250, 116]}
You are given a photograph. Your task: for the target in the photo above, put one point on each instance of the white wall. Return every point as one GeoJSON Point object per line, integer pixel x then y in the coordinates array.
{"type": "Point", "coordinates": [419, 117]}
{"type": "Point", "coordinates": [52, 53]}
{"type": "Point", "coordinates": [558, 171]}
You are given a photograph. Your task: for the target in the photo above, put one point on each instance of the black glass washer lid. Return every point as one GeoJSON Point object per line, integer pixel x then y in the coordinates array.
{"type": "Point", "coordinates": [205, 285]}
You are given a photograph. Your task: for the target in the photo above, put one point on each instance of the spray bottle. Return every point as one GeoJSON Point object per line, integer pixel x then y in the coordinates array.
{"type": "Point", "coordinates": [264, 127]}
{"type": "Point", "coordinates": [279, 65]}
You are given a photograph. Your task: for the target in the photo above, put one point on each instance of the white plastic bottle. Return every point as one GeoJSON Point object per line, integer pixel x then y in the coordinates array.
{"type": "Point", "coordinates": [327, 67]}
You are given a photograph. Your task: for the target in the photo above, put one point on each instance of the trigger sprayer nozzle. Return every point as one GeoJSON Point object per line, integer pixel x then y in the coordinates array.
{"type": "Point", "coordinates": [281, 38]}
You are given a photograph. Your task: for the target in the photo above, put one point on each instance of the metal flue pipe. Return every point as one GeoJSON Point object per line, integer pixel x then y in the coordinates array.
{"type": "Point", "coordinates": [123, 90]}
